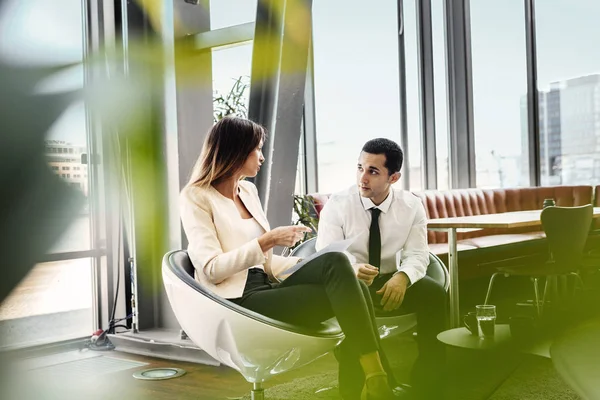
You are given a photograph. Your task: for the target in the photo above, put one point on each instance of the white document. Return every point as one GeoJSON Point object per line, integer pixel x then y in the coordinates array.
{"type": "Point", "coordinates": [339, 246]}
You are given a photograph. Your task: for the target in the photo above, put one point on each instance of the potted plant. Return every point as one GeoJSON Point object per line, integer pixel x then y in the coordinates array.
{"type": "Point", "coordinates": [304, 214]}
{"type": "Point", "coordinates": [234, 102]}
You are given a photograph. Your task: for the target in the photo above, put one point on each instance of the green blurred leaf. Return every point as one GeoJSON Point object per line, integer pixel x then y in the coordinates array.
{"type": "Point", "coordinates": [36, 206]}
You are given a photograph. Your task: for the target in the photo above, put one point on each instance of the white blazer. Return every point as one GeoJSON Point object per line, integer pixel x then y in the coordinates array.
{"type": "Point", "coordinates": [219, 251]}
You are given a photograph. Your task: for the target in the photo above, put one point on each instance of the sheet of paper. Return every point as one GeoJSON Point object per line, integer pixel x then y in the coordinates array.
{"type": "Point", "coordinates": [339, 246]}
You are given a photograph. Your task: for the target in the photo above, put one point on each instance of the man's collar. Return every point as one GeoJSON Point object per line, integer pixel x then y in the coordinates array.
{"type": "Point", "coordinates": [384, 206]}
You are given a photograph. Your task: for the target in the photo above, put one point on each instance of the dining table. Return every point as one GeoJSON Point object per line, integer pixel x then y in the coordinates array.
{"type": "Point", "coordinates": [452, 225]}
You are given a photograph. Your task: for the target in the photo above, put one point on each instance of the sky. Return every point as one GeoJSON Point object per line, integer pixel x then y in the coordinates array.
{"type": "Point", "coordinates": [356, 66]}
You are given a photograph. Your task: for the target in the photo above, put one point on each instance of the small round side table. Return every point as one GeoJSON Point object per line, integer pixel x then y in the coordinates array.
{"type": "Point", "coordinates": [461, 337]}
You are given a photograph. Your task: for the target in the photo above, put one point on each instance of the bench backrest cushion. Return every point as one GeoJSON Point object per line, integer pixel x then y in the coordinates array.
{"type": "Point", "coordinates": [465, 202]}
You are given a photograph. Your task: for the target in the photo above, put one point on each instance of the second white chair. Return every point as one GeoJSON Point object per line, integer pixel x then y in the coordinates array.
{"type": "Point", "coordinates": [390, 325]}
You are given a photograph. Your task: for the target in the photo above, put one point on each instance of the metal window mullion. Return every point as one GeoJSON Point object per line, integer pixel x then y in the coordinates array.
{"type": "Point", "coordinates": [469, 136]}
{"type": "Point", "coordinates": [310, 128]}
{"type": "Point", "coordinates": [102, 288]}
{"type": "Point", "coordinates": [405, 178]}
{"type": "Point", "coordinates": [72, 255]}
{"type": "Point", "coordinates": [144, 285]}
{"type": "Point", "coordinates": [533, 110]}
{"type": "Point", "coordinates": [460, 94]}
{"type": "Point", "coordinates": [426, 94]}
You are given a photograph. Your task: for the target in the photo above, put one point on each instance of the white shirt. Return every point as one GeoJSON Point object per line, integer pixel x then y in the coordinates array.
{"type": "Point", "coordinates": [402, 224]}
{"type": "Point", "coordinates": [252, 229]}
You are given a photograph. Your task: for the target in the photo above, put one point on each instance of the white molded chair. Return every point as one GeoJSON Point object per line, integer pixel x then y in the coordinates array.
{"type": "Point", "coordinates": [256, 346]}
{"type": "Point", "coordinates": [390, 325]}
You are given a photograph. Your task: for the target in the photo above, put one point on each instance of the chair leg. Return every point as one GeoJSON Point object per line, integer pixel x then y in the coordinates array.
{"type": "Point", "coordinates": [257, 393]}
{"type": "Point", "coordinates": [577, 282]}
{"type": "Point", "coordinates": [564, 289]}
{"type": "Point", "coordinates": [537, 296]}
{"type": "Point", "coordinates": [555, 293]}
{"type": "Point", "coordinates": [546, 286]}
{"type": "Point", "coordinates": [490, 286]}
{"type": "Point", "coordinates": [578, 279]}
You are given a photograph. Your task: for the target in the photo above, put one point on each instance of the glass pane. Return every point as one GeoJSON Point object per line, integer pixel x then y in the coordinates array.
{"type": "Point", "coordinates": [569, 91]}
{"type": "Point", "coordinates": [65, 149]}
{"type": "Point", "coordinates": [413, 105]}
{"type": "Point", "coordinates": [224, 13]}
{"type": "Point", "coordinates": [441, 93]}
{"type": "Point", "coordinates": [356, 84]}
{"type": "Point", "coordinates": [499, 84]}
{"type": "Point", "coordinates": [53, 302]}
{"type": "Point", "coordinates": [231, 68]}
{"type": "Point", "coordinates": [28, 40]}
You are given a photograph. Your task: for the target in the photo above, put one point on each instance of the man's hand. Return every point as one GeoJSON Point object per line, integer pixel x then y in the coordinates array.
{"type": "Point", "coordinates": [393, 291]}
{"type": "Point", "coordinates": [367, 273]}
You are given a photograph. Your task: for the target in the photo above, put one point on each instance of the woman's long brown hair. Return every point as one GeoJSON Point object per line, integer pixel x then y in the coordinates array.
{"type": "Point", "coordinates": [226, 148]}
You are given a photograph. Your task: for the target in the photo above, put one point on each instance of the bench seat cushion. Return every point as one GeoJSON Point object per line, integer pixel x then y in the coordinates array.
{"type": "Point", "coordinates": [487, 241]}
{"type": "Point", "coordinates": [504, 239]}
{"type": "Point", "coordinates": [442, 248]}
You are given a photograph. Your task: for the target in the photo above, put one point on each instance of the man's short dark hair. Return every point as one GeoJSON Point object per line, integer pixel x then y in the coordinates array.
{"type": "Point", "coordinates": [392, 151]}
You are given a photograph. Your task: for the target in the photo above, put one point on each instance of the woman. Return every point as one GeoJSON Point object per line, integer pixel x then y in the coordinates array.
{"type": "Point", "coordinates": [230, 245]}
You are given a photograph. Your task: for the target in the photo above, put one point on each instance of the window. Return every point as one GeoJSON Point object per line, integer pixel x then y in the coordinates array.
{"type": "Point", "coordinates": [356, 84]}
{"type": "Point", "coordinates": [231, 68]}
{"type": "Point", "coordinates": [569, 87]}
{"type": "Point", "coordinates": [60, 304]}
{"type": "Point", "coordinates": [499, 88]}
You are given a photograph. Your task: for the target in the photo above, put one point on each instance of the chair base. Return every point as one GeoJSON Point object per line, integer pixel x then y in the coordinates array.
{"type": "Point", "coordinates": [258, 392]}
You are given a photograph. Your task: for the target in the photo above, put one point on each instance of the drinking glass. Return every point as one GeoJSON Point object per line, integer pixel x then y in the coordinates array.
{"type": "Point", "coordinates": [486, 320]}
{"type": "Point", "coordinates": [548, 203]}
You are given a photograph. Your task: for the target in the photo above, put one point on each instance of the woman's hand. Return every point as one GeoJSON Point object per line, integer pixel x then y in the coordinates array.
{"type": "Point", "coordinates": [282, 236]}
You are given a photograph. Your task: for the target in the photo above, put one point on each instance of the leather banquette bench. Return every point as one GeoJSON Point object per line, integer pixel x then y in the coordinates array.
{"type": "Point", "coordinates": [481, 251]}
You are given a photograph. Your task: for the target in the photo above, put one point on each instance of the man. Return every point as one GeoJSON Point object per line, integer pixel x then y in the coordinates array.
{"type": "Point", "coordinates": [390, 254]}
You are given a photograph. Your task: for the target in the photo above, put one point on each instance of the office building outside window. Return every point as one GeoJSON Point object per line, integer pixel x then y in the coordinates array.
{"type": "Point", "coordinates": [569, 91]}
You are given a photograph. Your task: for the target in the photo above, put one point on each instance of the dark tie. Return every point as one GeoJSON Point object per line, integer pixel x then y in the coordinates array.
{"type": "Point", "coordinates": [375, 239]}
